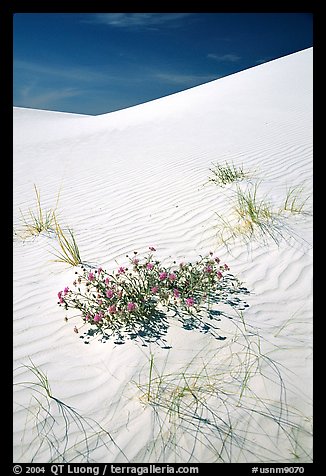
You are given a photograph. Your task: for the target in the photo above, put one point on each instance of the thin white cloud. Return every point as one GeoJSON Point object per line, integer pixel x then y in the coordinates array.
{"type": "Point", "coordinates": [137, 20]}
{"type": "Point", "coordinates": [183, 79]}
{"type": "Point", "coordinates": [230, 57]}
{"type": "Point", "coordinates": [31, 96]}
{"type": "Point", "coordinates": [263, 60]}
{"type": "Point", "coordinates": [74, 74]}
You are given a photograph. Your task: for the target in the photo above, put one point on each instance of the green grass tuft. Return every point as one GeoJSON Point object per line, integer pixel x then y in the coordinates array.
{"type": "Point", "coordinates": [293, 201]}
{"type": "Point", "coordinates": [54, 425]}
{"type": "Point", "coordinates": [69, 251]}
{"type": "Point", "coordinates": [37, 221]}
{"type": "Point", "coordinates": [252, 218]}
{"type": "Point", "coordinates": [224, 174]}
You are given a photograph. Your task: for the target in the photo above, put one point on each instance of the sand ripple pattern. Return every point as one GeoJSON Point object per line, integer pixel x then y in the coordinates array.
{"type": "Point", "coordinates": [139, 177]}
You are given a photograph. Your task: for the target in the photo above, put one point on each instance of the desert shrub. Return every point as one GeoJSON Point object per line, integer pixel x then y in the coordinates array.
{"type": "Point", "coordinates": [224, 174]}
{"type": "Point", "coordinates": [38, 220]}
{"type": "Point", "coordinates": [136, 300]}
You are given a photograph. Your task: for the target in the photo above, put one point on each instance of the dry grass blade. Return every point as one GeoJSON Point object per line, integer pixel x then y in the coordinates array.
{"type": "Point", "coordinates": [38, 221]}
{"type": "Point", "coordinates": [56, 424]}
{"type": "Point", "coordinates": [252, 218]}
{"type": "Point", "coordinates": [220, 407]}
{"type": "Point", "coordinates": [224, 174]}
{"type": "Point", "coordinates": [69, 249]}
{"type": "Point", "coordinates": [293, 201]}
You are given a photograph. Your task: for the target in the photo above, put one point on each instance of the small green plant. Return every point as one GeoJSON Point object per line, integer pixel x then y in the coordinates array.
{"type": "Point", "coordinates": [224, 174]}
{"type": "Point", "coordinates": [255, 218]}
{"type": "Point", "coordinates": [69, 249]}
{"type": "Point", "coordinates": [252, 217]}
{"type": "Point", "coordinates": [40, 220]}
{"type": "Point", "coordinates": [216, 401]}
{"type": "Point", "coordinates": [253, 211]}
{"type": "Point", "coordinates": [135, 302]}
{"type": "Point", "coordinates": [293, 201]}
{"type": "Point", "coordinates": [55, 424]}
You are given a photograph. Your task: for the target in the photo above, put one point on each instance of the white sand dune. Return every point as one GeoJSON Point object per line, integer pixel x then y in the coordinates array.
{"type": "Point", "coordinates": [138, 178]}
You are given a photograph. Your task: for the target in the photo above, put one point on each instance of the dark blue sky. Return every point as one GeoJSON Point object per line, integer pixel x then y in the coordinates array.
{"type": "Point", "coordinates": [94, 63]}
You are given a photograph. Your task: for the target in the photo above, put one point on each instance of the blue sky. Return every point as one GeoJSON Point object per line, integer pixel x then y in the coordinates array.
{"type": "Point", "coordinates": [94, 63]}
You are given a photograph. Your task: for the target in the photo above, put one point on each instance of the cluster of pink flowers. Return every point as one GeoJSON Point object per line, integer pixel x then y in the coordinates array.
{"type": "Point", "coordinates": [131, 306]}
{"type": "Point", "coordinates": [190, 302]}
{"type": "Point", "coordinates": [109, 293]}
{"type": "Point", "coordinates": [128, 296]}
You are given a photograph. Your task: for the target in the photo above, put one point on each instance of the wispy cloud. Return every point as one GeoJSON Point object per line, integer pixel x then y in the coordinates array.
{"type": "Point", "coordinates": [33, 96]}
{"type": "Point", "coordinates": [263, 60]}
{"type": "Point", "coordinates": [184, 79]}
{"type": "Point", "coordinates": [64, 72]}
{"type": "Point", "coordinates": [227, 57]}
{"type": "Point", "coordinates": [138, 20]}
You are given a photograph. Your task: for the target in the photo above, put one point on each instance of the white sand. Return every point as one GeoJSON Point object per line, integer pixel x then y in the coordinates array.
{"type": "Point", "coordinates": [136, 178]}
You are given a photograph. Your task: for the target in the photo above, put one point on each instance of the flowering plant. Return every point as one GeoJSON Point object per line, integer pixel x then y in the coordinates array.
{"type": "Point", "coordinates": [135, 300]}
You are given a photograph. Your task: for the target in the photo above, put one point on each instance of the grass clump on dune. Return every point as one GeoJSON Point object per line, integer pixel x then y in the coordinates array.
{"type": "Point", "coordinates": [224, 174]}
{"type": "Point", "coordinates": [255, 217]}
{"type": "Point", "coordinates": [42, 220]}
{"type": "Point", "coordinates": [39, 220]}
{"type": "Point", "coordinates": [252, 217]}
{"type": "Point", "coordinates": [293, 201]}
{"type": "Point", "coordinates": [229, 403]}
{"type": "Point", "coordinates": [56, 431]}
{"type": "Point", "coordinates": [69, 250]}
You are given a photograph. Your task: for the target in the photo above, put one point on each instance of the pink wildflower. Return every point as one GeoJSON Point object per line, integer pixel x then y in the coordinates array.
{"type": "Point", "coordinates": [107, 280]}
{"type": "Point", "coordinates": [91, 276]}
{"type": "Point", "coordinates": [97, 317]}
{"type": "Point", "coordinates": [66, 290]}
{"type": "Point", "coordinates": [100, 270]}
{"type": "Point", "coordinates": [219, 275]}
{"type": "Point", "coordinates": [112, 309]}
{"type": "Point", "coordinates": [208, 269]}
{"type": "Point", "coordinates": [149, 266]}
{"type": "Point", "coordinates": [131, 306]}
{"type": "Point", "coordinates": [190, 302]}
{"type": "Point", "coordinates": [154, 289]}
{"type": "Point", "coordinates": [152, 248]}
{"type": "Point", "coordinates": [163, 276]}
{"type": "Point", "coordinates": [226, 267]}
{"type": "Point", "coordinates": [176, 293]}
{"type": "Point", "coordinates": [172, 277]}
{"type": "Point", "coordinates": [135, 261]}
{"type": "Point", "coordinates": [109, 293]}
{"type": "Point", "coordinates": [99, 302]}
{"type": "Point", "coordinates": [60, 297]}
{"type": "Point", "coordinates": [121, 270]}
{"type": "Point", "coordinates": [87, 317]}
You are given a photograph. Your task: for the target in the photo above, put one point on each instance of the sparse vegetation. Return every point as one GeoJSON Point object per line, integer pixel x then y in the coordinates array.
{"type": "Point", "coordinates": [54, 426]}
{"type": "Point", "coordinates": [69, 251]}
{"type": "Point", "coordinates": [224, 174]}
{"type": "Point", "coordinates": [135, 302]}
{"type": "Point", "coordinates": [293, 201]}
{"type": "Point", "coordinates": [38, 221]}
{"type": "Point", "coordinates": [215, 401]}
{"type": "Point", "coordinates": [252, 218]}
